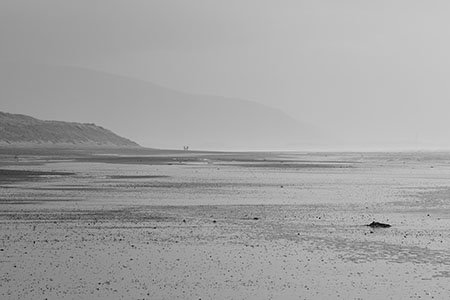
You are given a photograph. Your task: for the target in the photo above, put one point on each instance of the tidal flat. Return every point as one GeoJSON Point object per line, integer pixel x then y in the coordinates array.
{"type": "Point", "coordinates": [203, 225]}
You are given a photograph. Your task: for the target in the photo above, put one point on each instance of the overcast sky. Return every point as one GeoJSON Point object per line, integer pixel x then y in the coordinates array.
{"type": "Point", "coordinates": [378, 69]}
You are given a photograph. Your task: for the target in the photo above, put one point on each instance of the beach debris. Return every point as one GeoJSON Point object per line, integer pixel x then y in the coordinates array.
{"type": "Point", "coordinates": [378, 225]}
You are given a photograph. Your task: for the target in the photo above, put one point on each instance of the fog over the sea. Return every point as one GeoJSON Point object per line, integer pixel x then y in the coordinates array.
{"type": "Point", "coordinates": [372, 72]}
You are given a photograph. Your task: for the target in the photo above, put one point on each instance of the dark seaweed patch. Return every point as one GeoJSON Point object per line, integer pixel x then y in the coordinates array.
{"type": "Point", "coordinates": [137, 176]}
{"type": "Point", "coordinates": [7, 176]}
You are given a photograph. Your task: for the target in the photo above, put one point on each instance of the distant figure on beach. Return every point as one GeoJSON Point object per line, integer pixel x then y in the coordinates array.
{"type": "Point", "coordinates": [186, 148]}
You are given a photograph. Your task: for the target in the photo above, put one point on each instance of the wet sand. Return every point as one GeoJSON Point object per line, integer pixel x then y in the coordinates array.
{"type": "Point", "coordinates": [225, 226]}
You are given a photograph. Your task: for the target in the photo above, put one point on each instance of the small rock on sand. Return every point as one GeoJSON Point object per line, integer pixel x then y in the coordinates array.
{"type": "Point", "coordinates": [378, 225]}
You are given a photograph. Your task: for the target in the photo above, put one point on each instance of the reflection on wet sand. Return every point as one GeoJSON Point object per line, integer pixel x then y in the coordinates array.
{"type": "Point", "coordinates": [231, 227]}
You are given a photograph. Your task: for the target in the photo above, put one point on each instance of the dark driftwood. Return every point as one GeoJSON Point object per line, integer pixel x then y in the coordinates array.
{"type": "Point", "coordinates": [378, 225]}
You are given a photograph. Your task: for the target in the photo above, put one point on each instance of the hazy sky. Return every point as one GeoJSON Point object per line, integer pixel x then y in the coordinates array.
{"type": "Point", "coordinates": [378, 69]}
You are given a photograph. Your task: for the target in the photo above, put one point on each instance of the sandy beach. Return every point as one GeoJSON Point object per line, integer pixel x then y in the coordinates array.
{"type": "Point", "coordinates": [224, 226]}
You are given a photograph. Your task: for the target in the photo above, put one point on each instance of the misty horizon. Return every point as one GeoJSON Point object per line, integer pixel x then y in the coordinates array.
{"type": "Point", "coordinates": [339, 142]}
{"type": "Point", "coordinates": [368, 75]}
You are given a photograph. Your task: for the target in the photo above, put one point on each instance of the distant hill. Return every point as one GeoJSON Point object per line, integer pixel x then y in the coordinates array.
{"type": "Point", "coordinates": [150, 114]}
{"type": "Point", "coordinates": [23, 130]}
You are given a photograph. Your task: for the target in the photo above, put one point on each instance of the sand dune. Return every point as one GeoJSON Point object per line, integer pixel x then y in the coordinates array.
{"type": "Point", "coordinates": [21, 130]}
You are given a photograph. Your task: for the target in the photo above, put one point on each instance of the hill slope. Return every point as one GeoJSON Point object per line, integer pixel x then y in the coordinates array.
{"type": "Point", "coordinates": [153, 115]}
{"type": "Point", "coordinates": [24, 130]}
